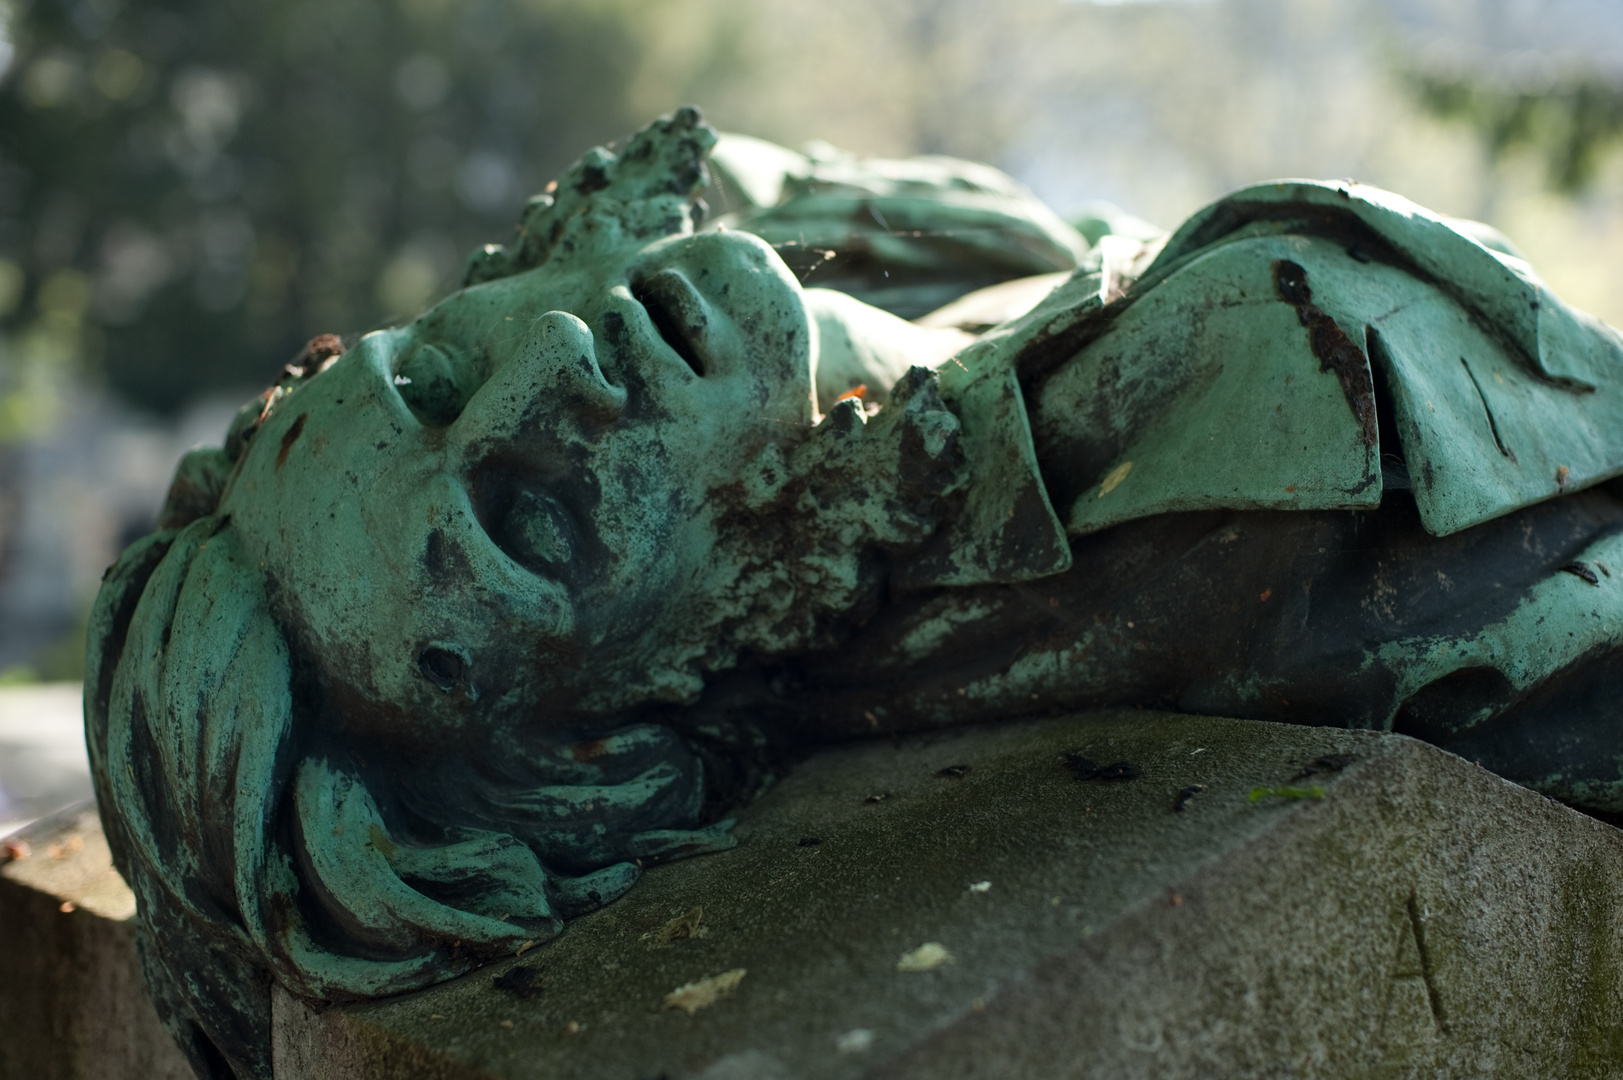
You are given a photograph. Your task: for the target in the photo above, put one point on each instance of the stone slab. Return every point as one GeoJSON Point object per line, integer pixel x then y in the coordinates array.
{"type": "Point", "coordinates": [72, 1004]}
{"type": "Point", "coordinates": [1423, 918]}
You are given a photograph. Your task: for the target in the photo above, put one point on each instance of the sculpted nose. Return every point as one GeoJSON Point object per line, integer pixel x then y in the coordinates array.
{"type": "Point", "coordinates": [562, 357]}
{"type": "Point", "coordinates": [553, 381]}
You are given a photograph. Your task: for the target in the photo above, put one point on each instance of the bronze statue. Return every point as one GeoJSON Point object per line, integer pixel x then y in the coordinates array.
{"type": "Point", "coordinates": [462, 627]}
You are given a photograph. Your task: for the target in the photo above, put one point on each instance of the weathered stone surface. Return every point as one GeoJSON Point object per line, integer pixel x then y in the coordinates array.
{"type": "Point", "coordinates": [1423, 918]}
{"type": "Point", "coordinates": [72, 1005]}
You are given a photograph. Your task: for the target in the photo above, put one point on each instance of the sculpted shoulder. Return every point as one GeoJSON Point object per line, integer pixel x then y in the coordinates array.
{"type": "Point", "coordinates": [1307, 346]}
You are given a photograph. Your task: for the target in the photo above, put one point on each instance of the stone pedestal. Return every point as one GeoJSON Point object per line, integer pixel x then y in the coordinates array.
{"type": "Point", "coordinates": [72, 1006]}
{"type": "Point", "coordinates": [1116, 895]}
{"type": "Point", "coordinates": [1220, 898]}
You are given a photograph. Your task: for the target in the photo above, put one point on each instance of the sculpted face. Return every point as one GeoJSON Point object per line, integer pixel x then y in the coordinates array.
{"type": "Point", "coordinates": [489, 512]}
{"type": "Point", "coordinates": [377, 680]}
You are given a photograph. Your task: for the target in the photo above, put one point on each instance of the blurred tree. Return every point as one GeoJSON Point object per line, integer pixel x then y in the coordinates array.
{"type": "Point", "coordinates": [1572, 120]}
{"type": "Point", "coordinates": [189, 189]}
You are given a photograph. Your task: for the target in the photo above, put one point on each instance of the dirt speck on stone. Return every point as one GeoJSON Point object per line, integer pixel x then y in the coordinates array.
{"type": "Point", "coordinates": [521, 979]}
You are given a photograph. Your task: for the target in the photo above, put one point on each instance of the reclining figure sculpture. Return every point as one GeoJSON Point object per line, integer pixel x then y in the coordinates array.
{"type": "Point", "coordinates": [460, 629]}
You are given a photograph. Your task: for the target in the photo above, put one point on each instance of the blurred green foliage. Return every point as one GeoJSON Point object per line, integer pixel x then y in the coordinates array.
{"type": "Point", "coordinates": [1572, 121]}
{"type": "Point", "coordinates": [191, 189]}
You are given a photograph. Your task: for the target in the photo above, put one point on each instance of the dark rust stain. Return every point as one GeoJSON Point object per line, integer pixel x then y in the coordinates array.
{"type": "Point", "coordinates": [288, 439]}
{"type": "Point", "coordinates": [1086, 768]}
{"type": "Point", "coordinates": [1327, 764]}
{"type": "Point", "coordinates": [445, 562]}
{"type": "Point", "coordinates": [521, 979]}
{"type": "Point", "coordinates": [590, 750]}
{"type": "Point", "coordinates": [1182, 802]}
{"type": "Point", "coordinates": [1581, 569]}
{"type": "Point", "coordinates": [1335, 350]}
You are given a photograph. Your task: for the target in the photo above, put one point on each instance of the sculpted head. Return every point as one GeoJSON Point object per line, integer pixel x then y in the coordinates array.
{"type": "Point", "coordinates": [501, 509]}
{"type": "Point", "coordinates": [366, 707]}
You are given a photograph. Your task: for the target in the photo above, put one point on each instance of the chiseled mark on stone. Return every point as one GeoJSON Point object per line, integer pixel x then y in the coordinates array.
{"type": "Point", "coordinates": [1414, 1017]}
{"type": "Point", "coordinates": [927, 957]}
{"type": "Point", "coordinates": [1493, 425]}
{"type": "Point", "coordinates": [1417, 928]}
{"type": "Point", "coordinates": [693, 996]}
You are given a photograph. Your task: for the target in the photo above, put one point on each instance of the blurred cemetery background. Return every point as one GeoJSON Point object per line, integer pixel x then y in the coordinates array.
{"type": "Point", "coordinates": [190, 189]}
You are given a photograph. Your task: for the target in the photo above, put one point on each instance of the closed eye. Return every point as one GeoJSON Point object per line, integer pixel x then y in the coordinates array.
{"type": "Point", "coordinates": [435, 384]}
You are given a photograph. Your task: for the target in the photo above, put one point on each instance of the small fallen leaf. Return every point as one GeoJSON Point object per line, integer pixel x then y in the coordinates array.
{"type": "Point", "coordinates": [1117, 475]}
{"type": "Point", "coordinates": [506, 1024]}
{"type": "Point", "coordinates": [688, 925]}
{"type": "Point", "coordinates": [693, 996]}
{"type": "Point", "coordinates": [927, 957]}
